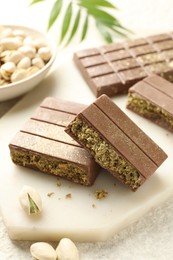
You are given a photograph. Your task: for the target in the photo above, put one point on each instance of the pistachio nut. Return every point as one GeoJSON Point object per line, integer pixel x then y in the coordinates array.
{"type": "Point", "coordinates": [11, 43]}
{"type": "Point", "coordinates": [24, 63]}
{"type": "Point", "coordinates": [32, 70]}
{"type": "Point", "coordinates": [13, 56]}
{"type": "Point", "coordinates": [44, 53]}
{"type": "Point", "coordinates": [28, 51]}
{"type": "Point", "coordinates": [38, 62]}
{"type": "Point", "coordinates": [66, 250]}
{"type": "Point", "coordinates": [30, 200]}
{"type": "Point", "coordinates": [19, 74]}
{"type": "Point", "coordinates": [43, 251]}
{"type": "Point", "coordinates": [7, 69]}
{"type": "Point", "coordinates": [21, 55]}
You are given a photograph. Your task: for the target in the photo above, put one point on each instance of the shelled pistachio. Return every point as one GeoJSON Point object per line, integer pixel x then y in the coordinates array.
{"type": "Point", "coordinates": [27, 53]}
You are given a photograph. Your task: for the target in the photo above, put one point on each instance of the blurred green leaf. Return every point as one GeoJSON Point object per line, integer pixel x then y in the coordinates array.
{"type": "Point", "coordinates": [75, 27]}
{"type": "Point", "coordinates": [107, 24]}
{"type": "Point", "coordinates": [103, 3]}
{"type": "Point", "coordinates": [104, 32]}
{"type": "Point", "coordinates": [66, 22]}
{"type": "Point", "coordinates": [55, 11]}
{"type": "Point", "coordinates": [85, 28]}
{"type": "Point", "coordinates": [36, 1]}
{"type": "Point", "coordinates": [101, 15]}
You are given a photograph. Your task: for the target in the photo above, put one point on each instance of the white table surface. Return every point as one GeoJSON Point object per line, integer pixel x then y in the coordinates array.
{"type": "Point", "coordinates": [152, 236]}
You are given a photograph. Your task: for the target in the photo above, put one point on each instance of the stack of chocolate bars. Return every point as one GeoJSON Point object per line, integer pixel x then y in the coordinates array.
{"type": "Point", "coordinates": [75, 141]}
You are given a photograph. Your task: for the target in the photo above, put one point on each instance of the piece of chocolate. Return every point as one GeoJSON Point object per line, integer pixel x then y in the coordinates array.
{"type": "Point", "coordinates": [42, 144]}
{"type": "Point", "coordinates": [152, 98]}
{"type": "Point", "coordinates": [114, 68]}
{"type": "Point", "coordinates": [116, 143]}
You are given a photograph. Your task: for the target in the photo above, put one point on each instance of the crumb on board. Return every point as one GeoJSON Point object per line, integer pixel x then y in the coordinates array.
{"type": "Point", "coordinates": [93, 205]}
{"type": "Point", "coordinates": [49, 194]}
{"type": "Point", "coordinates": [58, 183]}
{"type": "Point", "coordinates": [68, 196]}
{"type": "Point", "coordinates": [100, 194]}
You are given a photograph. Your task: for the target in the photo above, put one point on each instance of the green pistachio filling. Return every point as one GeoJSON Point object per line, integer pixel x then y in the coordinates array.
{"type": "Point", "coordinates": [149, 110]}
{"type": "Point", "coordinates": [105, 154]}
{"type": "Point", "coordinates": [50, 165]}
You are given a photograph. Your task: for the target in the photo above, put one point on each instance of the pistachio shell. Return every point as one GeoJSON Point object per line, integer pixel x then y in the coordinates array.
{"type": "Point", "coordinates": [11, 43]}
{"type": "Point", "coordinates": [43, 251]}
{"type": "Point", "coordinates": [28, 51]}
{"type": "Point", "coordinates": [18, 32]}
{"type": "Point", "coordinates": [24, 63]}
{"type": "Point", "coordinates": [44, 53]}
{"type": "Point", "coordinates": [7, 69]}
{"type": "Point", "coordinates": [26, 193]}
{"type": "Point", "coordinates": [38, 43]}
{"type": "Point", "coordinates": [5, 32]}
{"type": "Point", "coordinates": [4, 54]}
{"type": "Point", "coordinates": [18, 74]}
{"type": "Point", "coordinates": [38, 62]}
{"type": "Point", "coordinates": [13, 56]}
{"type": "Point", "coordinates": [29, 41]}
{"type": "Point", "coordinates": [66, 250]}
{"type": "Point", "coordinates": [32, 70]}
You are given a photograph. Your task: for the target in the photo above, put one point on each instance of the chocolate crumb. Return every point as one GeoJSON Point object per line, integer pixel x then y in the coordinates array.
{"type": "Point", "coordinates": [50, 194]}
{"type": "Point", "coordinates": [68, 196]}
{"type": "Point", "coordinates": [101, 194]}
{"type": "Point", "coordinates": [58, 183]}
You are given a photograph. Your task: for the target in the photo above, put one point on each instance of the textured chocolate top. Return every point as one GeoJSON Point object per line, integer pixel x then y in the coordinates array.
{"type": "Point", "coordinates": [44, 134]}
{"type": "Point", "coordinates": [113, 68]}
{"type": "Point", "coordinates": [128, 140]}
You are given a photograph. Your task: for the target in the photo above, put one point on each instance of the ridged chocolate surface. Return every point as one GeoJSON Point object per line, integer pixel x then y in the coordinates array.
{"type": "Point", "coordinates": [126, 138]}
{"type": "Point", "coordinates": [158, 92]}
{"type": "Point", "coordinates": [44, 134]}
{"type": "Point", "coordinates": [113, 68]}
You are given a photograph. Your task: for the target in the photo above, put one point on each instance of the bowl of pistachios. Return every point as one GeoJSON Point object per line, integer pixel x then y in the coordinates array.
{"type": "Point", "coordinates": [26, 56]}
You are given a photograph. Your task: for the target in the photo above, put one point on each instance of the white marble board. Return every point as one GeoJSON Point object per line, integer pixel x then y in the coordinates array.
{"type": "Point", "coordinates": [75, 217]}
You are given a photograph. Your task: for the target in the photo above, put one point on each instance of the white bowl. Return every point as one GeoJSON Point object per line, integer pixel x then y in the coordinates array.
{"type": "Point", "coordinates": [18, 88]}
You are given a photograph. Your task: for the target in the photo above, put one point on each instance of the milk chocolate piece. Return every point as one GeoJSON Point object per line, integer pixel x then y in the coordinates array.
{"type": "Point", "coordinates": [114, 68]}
{"type": "Point", "coordinates": [152, 98]}
{"type": "Point", "coordinates": [116, 143]}
{"type": "Point", "coordinates": [42, 144]}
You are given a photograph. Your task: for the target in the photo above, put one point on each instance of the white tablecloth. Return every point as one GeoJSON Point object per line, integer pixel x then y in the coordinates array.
{"type": "Point", "coordinates": [151, 238]}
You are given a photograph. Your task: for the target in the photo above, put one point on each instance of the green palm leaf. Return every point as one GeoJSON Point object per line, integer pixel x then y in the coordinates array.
{"type": "Point", "coordinates": [107, 24]}
{"type": "Point", "coordinates": [90, 3]}
{"type": "Point", "coordinates": [66, 22]}
{"type": "Point", "coordinates": [104, 32]}
{"type": "Point", "coordinates": [36, 1]}
{"type": "Point", "coordinates": [85, 28]}
{"type": "Point", "coordinates": [55, 11]}
{"type": "Point", "coordinates": [75, 26]}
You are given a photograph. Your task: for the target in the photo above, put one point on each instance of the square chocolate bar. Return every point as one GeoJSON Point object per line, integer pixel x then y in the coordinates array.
{"type": "Point", "coordinates": [152, 98]}
{"type": "Point", "coordinates": [43, 145]}
{"type": "Point", "coordinates": [116, 142]}
{"type": "Point", "coordinates": [114, 68]}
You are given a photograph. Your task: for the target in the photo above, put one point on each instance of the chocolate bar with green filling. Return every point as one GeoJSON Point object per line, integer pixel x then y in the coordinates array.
{"type": "Point", "coordinates": [113, 68]}
{"type": "Point", "coordinates": [152, 98]}
{"type": "Point", "coordinates": [116, 142]}
{"type": "Point", "coordinates": [43, 145]}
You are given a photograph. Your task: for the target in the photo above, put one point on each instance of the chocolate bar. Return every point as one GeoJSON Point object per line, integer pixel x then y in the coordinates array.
{"type": "Point", "coordinates": [112, 69]}
{"type": "Point", "coordinates": [116, 142]}
{"type": "Point", "coordinates": [42, 144]}
{"type": "Point", "coordinates": [152, 98]}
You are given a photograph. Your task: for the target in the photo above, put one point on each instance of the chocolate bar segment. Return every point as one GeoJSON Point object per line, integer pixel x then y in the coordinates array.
{"type": "Point", "coordinates": [116, 143]}
{"type": "Point", "coordinates": [42, 144]}
{"type": "Point", "coordinates": [114, 68]}
{"type": "Point", "coordinates": [152, 98]}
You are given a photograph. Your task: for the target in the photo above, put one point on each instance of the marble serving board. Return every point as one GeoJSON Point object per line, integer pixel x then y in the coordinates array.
{"type": "Point", "coordinates": [79, 216]}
